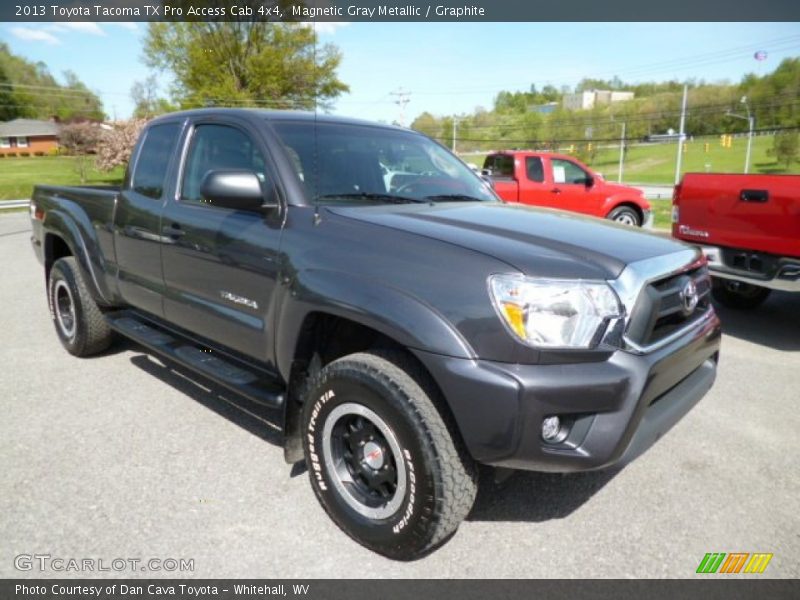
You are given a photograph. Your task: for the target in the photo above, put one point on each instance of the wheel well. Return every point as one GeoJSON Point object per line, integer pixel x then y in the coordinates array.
{"type": "Point", "coordinates": [54, 248]}
{"type": "Point", "coordinates": [324, 338]}
{"type": "Point", "coordinates": [632, 205]}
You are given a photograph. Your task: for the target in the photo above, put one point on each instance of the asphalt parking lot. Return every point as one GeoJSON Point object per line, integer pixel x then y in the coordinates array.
{"type": "Point", "coordinates": [120, 457]}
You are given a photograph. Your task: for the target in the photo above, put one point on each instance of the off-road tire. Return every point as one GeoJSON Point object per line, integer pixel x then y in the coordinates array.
{"type": "Point", "coordinates": [89, 333]}
{"type": "Point", "coordinates": [441, 477]}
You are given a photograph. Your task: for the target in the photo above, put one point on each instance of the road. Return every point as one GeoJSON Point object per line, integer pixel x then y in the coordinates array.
{"type": "Point", "coordinates": [120, 457]}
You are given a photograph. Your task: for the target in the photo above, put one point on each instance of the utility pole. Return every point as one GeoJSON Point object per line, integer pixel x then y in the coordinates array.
{"type": "Point", "coordinates": [455, 124]}
{"type": "Point", "coordinates": [681, 136]}
{"type": "Point", "coordinates": [750, 118]}
{"type": "Point", "coordinates": [403, 98]}
{"type": "Point", "coordinates": [621, 153]}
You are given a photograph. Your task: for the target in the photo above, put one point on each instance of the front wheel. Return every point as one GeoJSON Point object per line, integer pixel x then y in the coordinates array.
{"type": "Point", "coordinates": [738, 294]}
{"type": "Point", "coordinates": [626, 216]}
{"type": "Point", "coordinates": [383, 462]}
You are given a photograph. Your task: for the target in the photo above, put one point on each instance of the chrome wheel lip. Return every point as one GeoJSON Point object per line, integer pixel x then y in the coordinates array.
{"type": "Point", "coordinates": [336, 471]}
{"type": "Point", "coordinates": [64, 309]}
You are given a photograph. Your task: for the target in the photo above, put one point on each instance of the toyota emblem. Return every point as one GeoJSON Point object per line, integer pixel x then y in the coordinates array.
{"type": "Point", "coordinates": [689, 297]}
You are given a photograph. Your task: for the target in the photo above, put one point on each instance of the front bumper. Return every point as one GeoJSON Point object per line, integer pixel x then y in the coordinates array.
{"type": "Point", "coordinates": [614, 409]}
{"type": "Point", "coordinates": [764, 270]}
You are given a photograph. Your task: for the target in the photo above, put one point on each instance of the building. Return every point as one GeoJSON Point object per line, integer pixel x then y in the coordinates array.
{"type": "Point", "coordinates": [28, 136]}
{"type": "Point", "coordinates": [591, 98]}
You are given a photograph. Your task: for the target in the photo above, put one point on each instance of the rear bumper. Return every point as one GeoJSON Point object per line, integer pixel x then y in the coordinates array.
{"type": "Point", "coordinates": [773, 272]}
{"type": "Point", "coordinates": [613, 410]}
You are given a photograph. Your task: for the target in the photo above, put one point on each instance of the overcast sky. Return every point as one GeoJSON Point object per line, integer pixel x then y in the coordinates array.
{"type": "Point", "coordinates": [447, 67]}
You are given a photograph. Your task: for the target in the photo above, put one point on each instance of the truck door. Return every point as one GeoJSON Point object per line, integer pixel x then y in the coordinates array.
{"type": "Point", "coordinates": [137, 235]}
{"type": "Point", "coordinates": [532, 186]}
{"type": "Point", "coordinates": [220, 264]}
{"type": "Point", "coordinates": [569, 190]}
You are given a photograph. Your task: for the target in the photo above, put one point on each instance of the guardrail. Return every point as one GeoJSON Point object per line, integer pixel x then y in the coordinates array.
{"type": "Point", "coordinates": [4, 204]}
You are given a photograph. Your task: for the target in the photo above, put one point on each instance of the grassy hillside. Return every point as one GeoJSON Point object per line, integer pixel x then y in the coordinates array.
{"type": "Point", "coordinates": [656, 163]}
{"type": "Point", "coordinates": [19, 175]}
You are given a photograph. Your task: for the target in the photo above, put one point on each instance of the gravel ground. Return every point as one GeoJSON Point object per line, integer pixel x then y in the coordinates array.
{"type": "Point", "coordinates": [119, 457]}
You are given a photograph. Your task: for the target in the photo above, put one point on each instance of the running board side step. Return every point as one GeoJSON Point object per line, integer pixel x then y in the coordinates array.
{"type": "Point", "coordinates": [227, 372]}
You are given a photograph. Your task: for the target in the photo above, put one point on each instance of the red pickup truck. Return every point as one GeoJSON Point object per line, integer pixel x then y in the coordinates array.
{"type": "Point", "coordinates": [559, 181]}
{"type": "Point", "coordinates": [748, 226]}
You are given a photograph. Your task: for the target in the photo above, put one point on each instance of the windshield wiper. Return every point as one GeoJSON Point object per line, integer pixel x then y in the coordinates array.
{"type": "Point", "coordinates": [393, 198]}
{"type": "Point", "coordinates": [453, 198]}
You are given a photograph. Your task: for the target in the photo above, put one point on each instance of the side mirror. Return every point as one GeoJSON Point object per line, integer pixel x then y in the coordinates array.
{"type": "Point", "coordinates": [487, 180]}
{"type": "Point", "coordinates": [237, 190]}
{"type": "Point", "coordinates": [589, 181]}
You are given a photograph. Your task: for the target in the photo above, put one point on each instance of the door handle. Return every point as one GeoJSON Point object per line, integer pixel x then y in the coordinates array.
{"type": "Point", "coordinates": [754, 195]}
{"type": "Point", "coordinates": [556, 191]}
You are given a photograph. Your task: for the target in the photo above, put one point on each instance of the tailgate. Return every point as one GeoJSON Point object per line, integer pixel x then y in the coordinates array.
{"type": "Point", "coordinates": [753, 212]}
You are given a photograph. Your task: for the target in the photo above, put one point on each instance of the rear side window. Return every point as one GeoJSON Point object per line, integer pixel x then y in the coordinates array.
{"type": "Point", "coordinates": [501, 165]}
{"type": "Point", "coordinates": [534, 169]}
{"type": "Point", "coordinates": [151, 166]}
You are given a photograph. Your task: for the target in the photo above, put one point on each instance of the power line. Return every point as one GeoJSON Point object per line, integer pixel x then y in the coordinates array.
{"type": "Point", "coordinates": [781, 44]}
{"type": "Point", "coordinates": [553, 141]}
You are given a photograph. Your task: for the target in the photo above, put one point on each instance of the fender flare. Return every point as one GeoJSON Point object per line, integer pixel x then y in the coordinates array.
{"type": "Point", "coordinates": [78, 235]}
{"type": "Point", "coordinates": [407, 320]}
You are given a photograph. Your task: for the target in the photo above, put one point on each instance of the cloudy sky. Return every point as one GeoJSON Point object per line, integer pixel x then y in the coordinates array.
{"type": "Point", "coordinates": [447, 67]}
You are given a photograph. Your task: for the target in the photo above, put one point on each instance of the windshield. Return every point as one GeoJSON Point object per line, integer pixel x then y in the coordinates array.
{"type": "Point", "coordinates": [359, 164]}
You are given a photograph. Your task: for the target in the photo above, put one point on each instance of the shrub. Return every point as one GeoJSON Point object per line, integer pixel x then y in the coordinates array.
{"type": "Point", "coordinates": [24, 153]}
{"type": "Point", "coordinates": [38, 153]}
{"type": "Point", "coordinates": [116, 145]}
{"type": "Point", "coordinates": [11, 154]}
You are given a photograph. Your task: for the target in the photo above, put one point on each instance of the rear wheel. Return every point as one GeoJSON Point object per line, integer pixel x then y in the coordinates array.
{"type": "Point", "coordinates": [79, 323]}
{"type": "Point", "coordinates": [626, 216]}
{"type": "Point", "coordinates": [382, 460]}
{"type": "Point", "coordinates": [737, 294]}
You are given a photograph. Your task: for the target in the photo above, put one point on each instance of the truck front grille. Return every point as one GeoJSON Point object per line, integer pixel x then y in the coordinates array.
{"type": "Point", "coordinates": [666, 306]}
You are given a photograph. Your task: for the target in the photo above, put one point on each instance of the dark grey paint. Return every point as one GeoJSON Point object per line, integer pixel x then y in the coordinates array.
{"type": "Point", "coordinates": [416, 273]}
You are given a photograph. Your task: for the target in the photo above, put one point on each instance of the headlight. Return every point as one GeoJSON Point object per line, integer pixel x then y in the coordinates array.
{"type": "Point", "coordinates": [554, 313]}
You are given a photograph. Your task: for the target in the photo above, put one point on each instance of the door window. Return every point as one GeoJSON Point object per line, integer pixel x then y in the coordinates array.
{"type": "Point", "coordinates": [534, 169]}
{"type": "Point", "coordinates": [219, 147]}
{"type": "Point", "coordinates": [501, 165]}
{"type": "Point", "coordinates": [151, 167]}
{"type": "Point", "coordinates": [566, 171]}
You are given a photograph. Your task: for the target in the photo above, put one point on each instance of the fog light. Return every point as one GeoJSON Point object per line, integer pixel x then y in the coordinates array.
{"type": "Point", "coordinates": [551, 428]}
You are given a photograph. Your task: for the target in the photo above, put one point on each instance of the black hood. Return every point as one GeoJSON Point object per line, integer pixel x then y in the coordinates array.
{"type": "Point", "coordinates": [538, 242]}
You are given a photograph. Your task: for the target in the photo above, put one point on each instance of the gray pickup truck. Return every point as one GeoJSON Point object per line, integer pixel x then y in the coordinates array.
{"type": "Point", "coordinates": [403, 321]}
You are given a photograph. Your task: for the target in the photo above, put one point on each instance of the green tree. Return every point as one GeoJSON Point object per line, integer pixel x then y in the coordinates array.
{"type": "Point", "coordinates": [36, 94]}
{"type": "Point", "coordinates": [9, 108]}
{"type": "Point", "coordinates": [147, 102]}
{"type": "Point", "coordinates": [786, 148]}
{"type": "Point", "coordinates": [428, 124]}
{"type": "Point", "coordinates": [273, 65]}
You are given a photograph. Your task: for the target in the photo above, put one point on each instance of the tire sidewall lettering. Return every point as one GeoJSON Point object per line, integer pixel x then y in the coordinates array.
{"type": "Point", "coordinates": [399, 524]}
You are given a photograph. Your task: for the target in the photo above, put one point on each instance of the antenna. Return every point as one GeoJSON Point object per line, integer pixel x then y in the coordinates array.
{"type": "Point", "coordinates": [403, 98]}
